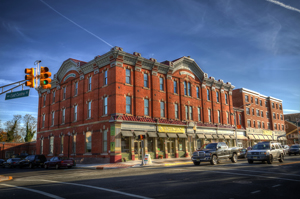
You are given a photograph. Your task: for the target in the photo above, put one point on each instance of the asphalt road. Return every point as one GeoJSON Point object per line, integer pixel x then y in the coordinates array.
{"type": "Point", "coordinates": [225, 180]}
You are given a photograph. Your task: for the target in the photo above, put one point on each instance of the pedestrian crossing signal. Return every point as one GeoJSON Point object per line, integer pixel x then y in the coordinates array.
{"type": "Point", "coordinates": [141, 137]}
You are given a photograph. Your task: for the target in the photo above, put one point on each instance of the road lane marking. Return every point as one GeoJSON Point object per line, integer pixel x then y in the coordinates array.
{"type": "Point", "coordinates": [33, 190]}
{"type": "Point", "coordinates": [256, 176]}
{"type": "Point", "coordinates": [290, 163]}
{"type": "Point", "coordinates": [100, 188]}
{"type": "Point", "coordinates": [255, 192]}
{"type": "Point", "coordinates": [276, 185]}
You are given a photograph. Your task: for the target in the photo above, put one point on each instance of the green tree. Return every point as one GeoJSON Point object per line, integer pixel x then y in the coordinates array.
{"type": "Point", "coordinates": [30, 123]}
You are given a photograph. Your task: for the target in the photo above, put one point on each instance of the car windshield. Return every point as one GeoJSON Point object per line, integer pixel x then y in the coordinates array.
{"type": "Point", "coordinates": [261, 146]}
{"type": "Point", "coordinates": [210, 146]}
{"type": "Point", "coordinates": [294, 147]}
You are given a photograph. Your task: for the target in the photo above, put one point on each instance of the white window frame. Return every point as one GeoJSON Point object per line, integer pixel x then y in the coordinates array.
{"type": "Point", "coordinates": [90, 83]}
{"type": "Point", "coordinates": [89, 109]}
{"type": "Point", "coordinates": [162, 109]}
{"type": "Point", "coordinates": [76, 88]}
{"type": "Point", "coordinates": [146, 107]}
{"type": "Point", "coordinates": [105, 78]}
{"type": "Point", "coordinates": [52, 118]}
{"type": "Point", "coordinates": [63, 118]}
{"type": "Point", "coordinates": [128, 99]}
{"type": "Point", "coordinates": [128, 76]}
{"type": "Point", "coordinates": [105, 105]}
{"type": "Point", "coordinates": [75, 112]}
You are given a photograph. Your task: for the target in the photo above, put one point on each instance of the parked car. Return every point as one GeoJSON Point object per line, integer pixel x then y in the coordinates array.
{"type": "Point", "coordinates": [266, 151]}
{"type": "Point", "coordinates": [295, 149]}
{"type": "Point", "coordinates": [11, 163]}
{"type": "Point", "coordinates": [32, 161]}
{"type": "Point", "coordinates": [22, 155]}
{"type": "Point", "coordinates": [285, 149]}
{"type": "Point", "coordinates": [58, 162]}
{"type": "Point", "coordinates": [243, 153]}
{"type": "Point", "coordinates": [1, 162]}
{"type": "Point", "coordinates": [214, 152]}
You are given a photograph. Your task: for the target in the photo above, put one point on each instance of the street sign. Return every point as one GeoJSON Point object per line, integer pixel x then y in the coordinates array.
{"type": "Point", "coordinates": [18, 94]}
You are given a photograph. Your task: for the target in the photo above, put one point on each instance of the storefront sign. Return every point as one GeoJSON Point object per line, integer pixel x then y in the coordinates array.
{"type": "Point", "coordinates": [112, 146]}
{"type": "Point", "coordinates": [171, 129]}
{"type": "Point", "coordinates": [206, 131]}
{"type": "Point", "coordinates": [225, 132]}
{"type": "Point", "coordinates": [266, 132]}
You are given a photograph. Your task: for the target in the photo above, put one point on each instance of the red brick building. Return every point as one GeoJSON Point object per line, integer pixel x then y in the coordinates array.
{"type": "Point", "coordinates": [263, 116]}
{"type": "Point", "coordinates": [95, 110]}
{"type": "Point", "coordinates": [292, 132]}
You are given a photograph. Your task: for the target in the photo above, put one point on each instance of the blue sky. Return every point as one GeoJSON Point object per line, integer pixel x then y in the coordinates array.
{"type": "Point", "coordinates": [251, 43]}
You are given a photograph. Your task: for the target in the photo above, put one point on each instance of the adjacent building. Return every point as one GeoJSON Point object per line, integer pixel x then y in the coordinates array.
{"type": "Point", "coordinates": [292, 132]}
{"type": "Point", "coordinates": [95, 110]}
{"type": "Point", "coordinates": [263, 116]}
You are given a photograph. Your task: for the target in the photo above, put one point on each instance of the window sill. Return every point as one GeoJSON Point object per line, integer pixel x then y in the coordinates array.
{"type": "Point", "coordinates": [128, 114]}
{"type": "Point", "coordinates": [146, 88]}
{"type": "Point", "coordinates": [53, 103]}
{"type": "Point", "coordinates": [75, 95]}
{"type": "Point", "coordinates": [62, 124]}
{"type": "Point", "coordinates": [162, 91]}
{"type": "Point", "coordinates": [75, 121]}
{"type": "Point", "coordinates": [175, 93]}
{"type": "Point", "coordinates": [88, 118]}
{"type": "Point", "coordinates": [87, 154]}
{"type": "Point", "coordinates": [147, 116]}
{"type": "Point", "coordinates": [126, 84]}
{"type": "Point", "coordinates": [104, 115]}
{"type": "Point", "coordinates": [104, 86]}
{"type": "Point", "coordinates": [63, 99]}
{"type": "Point", "coordinates": [89, 91]}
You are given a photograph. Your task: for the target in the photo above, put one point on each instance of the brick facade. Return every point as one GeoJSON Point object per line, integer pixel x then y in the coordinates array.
{"type": "Point", "coordinates": [262, 115]}
{"type": "Point", "coordinates": [110, 125]}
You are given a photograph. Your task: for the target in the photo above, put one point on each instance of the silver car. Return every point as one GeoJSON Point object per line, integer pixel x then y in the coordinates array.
{"type": "Point", "coordinates": [266, 151]}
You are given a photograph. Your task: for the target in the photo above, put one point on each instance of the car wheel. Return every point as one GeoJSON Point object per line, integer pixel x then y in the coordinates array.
{"type": "Point", "coordinates": [250, 161]}
{"type": "Point", "coordinates": [214, 160]}
{"type": "Point", "coordinates": [234, 158]}
{"type": "Point", "coordinates": [270, 159]}
{"type": "Point", "coordinates": [46, 166]}
{"type": "Point", "coordinates": [281, 158]}
{"type": "Point", "coordinates": [56, 166]}
{"type": "Point", "coordinates": [70, 167]}
{"type": "Point", "coordinates": [196, 163]}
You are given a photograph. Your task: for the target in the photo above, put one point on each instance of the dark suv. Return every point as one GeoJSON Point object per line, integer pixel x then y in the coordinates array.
{"type": "Point", "coordinates": [295, 149]}
{"type": "Point", "coordinates": [32, 161]}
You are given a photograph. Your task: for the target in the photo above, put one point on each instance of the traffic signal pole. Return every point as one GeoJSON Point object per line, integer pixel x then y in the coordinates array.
{"type": "Point", "coordinates": [21, 83]}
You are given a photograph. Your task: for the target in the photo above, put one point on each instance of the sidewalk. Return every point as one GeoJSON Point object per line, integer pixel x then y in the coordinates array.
{"type": "Point", "coordinates": [136, 163]}
{"type": "Point", "coordinates": [5, 178]}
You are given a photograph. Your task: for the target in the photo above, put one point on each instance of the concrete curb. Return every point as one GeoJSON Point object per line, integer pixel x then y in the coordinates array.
{"type": "Point", "coordinates": [134, 166]}
{"type": "Point", "coordinates": [5, 178]}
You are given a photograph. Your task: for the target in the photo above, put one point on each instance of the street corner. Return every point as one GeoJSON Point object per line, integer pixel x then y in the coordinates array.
{"type": "Point", "coordinates": [5, 178]}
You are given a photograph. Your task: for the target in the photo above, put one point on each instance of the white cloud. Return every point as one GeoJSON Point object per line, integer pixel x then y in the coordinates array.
{"type": "Point", "coordinates": [4, 81]}
{"type": "Point", "coordinates": [286, 111]}
{"type": "Point", "coordinates": [284, 5]}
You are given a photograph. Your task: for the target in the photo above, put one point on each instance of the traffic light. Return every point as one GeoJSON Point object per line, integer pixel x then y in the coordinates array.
{"type": "Point", "coordinates": [141, 137]}
{"type": "Point", "coordinates": [30, 77]}
{"type": "Point", "coordinates": [44, 78]}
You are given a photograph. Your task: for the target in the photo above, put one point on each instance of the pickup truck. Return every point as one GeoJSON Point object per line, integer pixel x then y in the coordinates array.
{"type": "Point", "coordinates": [214, 152]}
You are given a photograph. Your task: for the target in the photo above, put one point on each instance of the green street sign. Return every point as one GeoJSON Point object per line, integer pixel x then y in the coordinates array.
{"type": "Point", "coordinates": [18, 94]}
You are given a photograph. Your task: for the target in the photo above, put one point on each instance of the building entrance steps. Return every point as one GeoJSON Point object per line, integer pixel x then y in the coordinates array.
{"type": "Point", "coordinates": [136, 163]}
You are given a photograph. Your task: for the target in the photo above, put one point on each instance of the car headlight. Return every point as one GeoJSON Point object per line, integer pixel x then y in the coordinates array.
{"type": "Point", "coordinates": [207, 154]}
{"type": "Point", "coordinates": [263, 153]}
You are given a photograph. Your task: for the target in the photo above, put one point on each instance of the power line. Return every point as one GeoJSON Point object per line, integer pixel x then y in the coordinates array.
{"type": "Point", "coordinates": [76, 23]}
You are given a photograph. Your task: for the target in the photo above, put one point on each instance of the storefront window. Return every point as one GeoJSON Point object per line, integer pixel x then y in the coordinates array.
{"type": "Point", "coordinates": [160, 144]}
{"type": "Point", "coordinates": [181, 144]}
{"type": "Point", "coordinates": [125, 145]}
{"type": "Point", "coordinates": [199, 143]}
{"type": "Point", "coordinates": [150, 144]}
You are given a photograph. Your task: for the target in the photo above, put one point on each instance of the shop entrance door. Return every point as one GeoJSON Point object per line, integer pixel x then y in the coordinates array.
{"type": "Point", "coordinates": [138, 149]}
{"type": "Point", "coordinates": [171, 148]}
